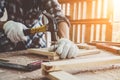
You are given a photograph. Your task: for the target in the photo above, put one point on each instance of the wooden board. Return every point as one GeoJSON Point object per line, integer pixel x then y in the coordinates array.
{"type": "Point", "coordinates": [54, 56]}
{"type": "Point", "coordinates": [61, 75]}
{"type": "Point", "coordinates": [45, 52]}
{"type": "Point", "coordinates": [80, 64]}
{"type": "Point", "coordinates": [105, 42]}
{"type": "Point", "coordinates": [113, 47]}
{"type": "Point", "coordinates": [109, 48]}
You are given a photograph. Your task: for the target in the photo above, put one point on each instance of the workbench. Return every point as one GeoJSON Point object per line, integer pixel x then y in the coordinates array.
{"type": "Point", "coordinates": [23, 57]}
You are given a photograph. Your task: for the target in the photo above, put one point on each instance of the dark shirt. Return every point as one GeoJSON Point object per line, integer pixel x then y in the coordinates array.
{"type": "Point", "coordinates": [27, 12]}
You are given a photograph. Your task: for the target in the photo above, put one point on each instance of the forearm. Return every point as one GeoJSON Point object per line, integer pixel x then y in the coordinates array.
{"type": "Point", "coordinates": [63, 30]}
{"type": "Point", "coordinates": [1, 24]}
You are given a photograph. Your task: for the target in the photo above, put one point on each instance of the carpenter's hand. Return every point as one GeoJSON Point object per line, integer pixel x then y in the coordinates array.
{"type": "Point", "coordinates": [14, 31]}
{"type": "Point", "coordinates": [65, 48]}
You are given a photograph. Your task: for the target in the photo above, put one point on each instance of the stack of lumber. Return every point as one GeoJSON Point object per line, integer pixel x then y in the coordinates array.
{"type": "Point", "coordinates": [58, 70]}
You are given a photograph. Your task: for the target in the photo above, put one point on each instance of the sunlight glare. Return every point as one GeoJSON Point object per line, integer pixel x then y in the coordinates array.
{"type": "Point", "coordinates": [116, 10]}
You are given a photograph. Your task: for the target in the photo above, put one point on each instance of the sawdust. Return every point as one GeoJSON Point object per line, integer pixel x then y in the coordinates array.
{"type": "Point", "coordinates": [23, 57]}
{"type": "Point", "coordinates": [112, 74]}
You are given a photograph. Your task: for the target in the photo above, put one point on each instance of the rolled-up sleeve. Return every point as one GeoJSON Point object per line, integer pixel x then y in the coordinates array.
{"type": "Point", "coordinates": [2, 6]}
{"type": "Point", "coordinates": [53, 7]}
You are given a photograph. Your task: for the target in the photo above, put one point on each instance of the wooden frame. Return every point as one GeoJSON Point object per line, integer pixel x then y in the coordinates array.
{"type": "Point", "coordinates": [53, 71]}
{"type": "Point", "coordinates": [90, 21]}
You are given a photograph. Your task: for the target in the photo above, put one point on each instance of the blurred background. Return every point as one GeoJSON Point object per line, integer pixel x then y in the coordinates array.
{"type": "Point", "coordinates": [90, 19]}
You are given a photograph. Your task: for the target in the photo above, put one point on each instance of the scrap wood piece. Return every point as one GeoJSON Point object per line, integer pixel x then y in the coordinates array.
{"type": "Point", "coordinates": [106, 47]}
{"type": "Point", "coordinates": [80, 64]}
{"type": "Point", "coordinates": [42, 51]}
{"type": "Point", "coordinates": [54, 56]}
{"type": "Point", "coordinates": [61, 75]}
{"type": "Point", "coordinates": [45, 52]}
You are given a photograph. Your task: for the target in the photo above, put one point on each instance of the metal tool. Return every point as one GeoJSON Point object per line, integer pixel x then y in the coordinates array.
{"type": "Point", "coordinates": [51, 26]}
{"type": "Point", "coordinates": [29, 67]}
{"type": "Point", "coordinates": [42, 28]}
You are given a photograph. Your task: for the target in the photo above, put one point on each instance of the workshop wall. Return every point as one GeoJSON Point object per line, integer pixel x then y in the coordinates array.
{"type": "Point", "coordinates": [91, 20]}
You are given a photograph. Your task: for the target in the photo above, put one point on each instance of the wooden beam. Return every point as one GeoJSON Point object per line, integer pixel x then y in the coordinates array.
{"type": "Point", "coordinates": [61, 75]}
{"type": "Point", "coordinates": [44, 52]}
{"type": "Point", "coordinates": [105, 42]}
{"type": "Point", "coordinates": [54, 56]}
{"type": "Point", "coordinates": [80, 64]}
{"type": "Point", "coordinates": [109, 48]}
{"type": "Point", "coordinates": [71, 1]}
{"type": "Point", "coordinates": [90, 21]}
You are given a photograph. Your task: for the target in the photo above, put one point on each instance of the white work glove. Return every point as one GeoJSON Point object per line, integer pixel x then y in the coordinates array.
{"type": "Point", "coordinates": [65, 48]}
{"type": "Point", "coordinates": [14, 31]}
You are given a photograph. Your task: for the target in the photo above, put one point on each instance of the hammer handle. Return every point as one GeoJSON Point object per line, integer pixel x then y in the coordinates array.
{"type": "Point", "coordinates": [35, 30]}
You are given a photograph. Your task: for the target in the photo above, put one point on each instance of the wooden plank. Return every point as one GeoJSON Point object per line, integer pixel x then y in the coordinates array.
{"type": "Point", "coordinates": [76, 34]}
{"type": "Point", "coordinates": [81, 29]}
{"type": "Point", "coordinates": [88, 33]}
{"type": "Point", "coordinates": [67, 1]}
{"type": "Point", "coordinates": [110, 9]}
{"type": "Point", "coordinates": [44, 52]}
{"type": "Point", "coordinates": [109, 48]}
{"type": "Point", "coordinates": [100, 35]}
{"type": "Point", "coordinates": [90, 21]}
{"type": "Point", "coordinates": [71, 1]}
{"type": "Point", "coordinates": [71, 11]}
{"type": "Point", "coordinates": [96, 9]}
{"type": "Point", "coordinates": [80, 64]}
{"type": "Point", "coordinates": [77, 11]}
{"type": "Point", "coordinates": [66, 9]}
{"type": "Point", "coordinates": [94, 33]}
{"type": "Point", "coordinates": [89, 9]}
{"type": "Point", "coordinates": [106, 42]}
{"type": "Point", "coordinates": [108, 32]}
{"type": "Point", "coordinates": [102, 8]}
{"type": "Point", "coordinates": [61, 75]}
{"type": "Point", "coordinates": [82, 9]}
{"type": "Point", "coordinates": [88, 26]}
{"type": "Point", "coordinates": [71, 33]}
{"type": "Point", "coordinates": [54, 56]}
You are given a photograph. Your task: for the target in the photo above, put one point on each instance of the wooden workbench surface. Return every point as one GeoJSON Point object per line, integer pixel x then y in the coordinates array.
{"type": "Point", "coordinates": [23, 57]}
{"type": "Point", "coordinates": [20, 57]}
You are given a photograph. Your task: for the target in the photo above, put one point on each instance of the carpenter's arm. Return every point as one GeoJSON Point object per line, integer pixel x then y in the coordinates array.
{"type": "Point", "coordinates": [2, 6]}
{"type": "Point", "coordinates": [63, 30]}
{"type": "Point", "coordinates": [53, 7]}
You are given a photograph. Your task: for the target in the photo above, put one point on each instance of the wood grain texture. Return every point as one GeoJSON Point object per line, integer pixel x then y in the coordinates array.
{"type": "Point", "coordinates": [44, 52]}
{"type": "Point", "coordinates": [61, 75]}
{"type": "Point", "coordinates": [109, 48]}
{"type": "Point", "coordinates": [54, 56]}
{"type": "Point", "coordinates": [80, 64]}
